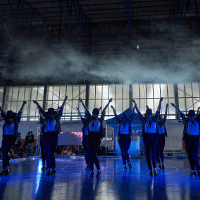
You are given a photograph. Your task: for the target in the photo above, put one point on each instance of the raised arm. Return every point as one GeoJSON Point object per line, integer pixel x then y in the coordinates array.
{"type": "Point", "coordinates": [177, 109]}
{"type": "Point", "coordinates": [110, 100]}
{"type": "Point", "coordinates": [79, 113]}
{"type": "Point", "coordinates": [114, 111]}
{"type": "Point", "coordinates": [159, 105]}
{"type": "Point", "coordinates": [136, 107]}
{"type": "Point", "coordinates": [61, 107]}
{"type": "Point", "coordinates": [2, 110]}
{"type": "Point", "coordinates": [21, 109]}
{"type": "Point", "coordinates": [165, 116]}
{"type": "Point", "coordinates": [39, 108]}
{"type": "Point", "coordinates": [83, 105]}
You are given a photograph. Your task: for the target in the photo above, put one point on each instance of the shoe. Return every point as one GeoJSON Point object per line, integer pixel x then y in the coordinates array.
{"type": "Point", "coordinates": [160, 166]}
{"type": "Point", "coordinates": [48, 173]}
{"type": "Point", "coordinates": [53, 172]}
{"type": "Point", "coordinates": [125, 167]}
{"type": "Point", "coordinates": [98, 173]}
{"type": "Point", "coordinates": [129, 166]}
{"type": "Point", "coordinates": [194, 173]}
{"type": "Point", "coordinates": [91, 174]}
{"type": "Point", "coordinates": [151, 173]}
{"type": "Point", "coordinates": [155, 173]}
{"type": "Point", "coordinates": [163, 167]}
{"type": "Point", "coordinates": [3, 172]}
{"type": "Point", "coordinates": [43, 168]}
{"type": "Point", "coordinates": [88, 167]}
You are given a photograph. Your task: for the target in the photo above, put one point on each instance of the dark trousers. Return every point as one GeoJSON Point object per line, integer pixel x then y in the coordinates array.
{"type": "Point", "coordinates": [42, 151]}
{"type": "Point", "coordinates": [150, 142]}
{"type": "Point", "coordinates": [94, 140]}
{"type": "Point", "coordinates": [50, 140]}
{"type": "Point", "coordinates": [192, 148]}
{"type": "Point", "coordinates": [160, 148]}
{"type": "Point", "coordinates": [86, 149]}
{"type": "Point", "coordinates": [7, 143]}
{"type": "Point", "coordinates": [124, 143]}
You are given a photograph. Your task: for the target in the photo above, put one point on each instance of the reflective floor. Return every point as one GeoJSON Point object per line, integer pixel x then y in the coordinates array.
{"type": "Point", "coordinates": [72, 181]}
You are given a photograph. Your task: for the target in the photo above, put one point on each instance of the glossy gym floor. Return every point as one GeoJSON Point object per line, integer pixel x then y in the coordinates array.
{"type": "Point", "coordinates": [26, 180]}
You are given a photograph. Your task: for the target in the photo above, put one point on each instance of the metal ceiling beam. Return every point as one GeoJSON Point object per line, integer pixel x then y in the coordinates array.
{"type": "Point", "coordinates": [28, 26]}
{"type": "Point", "coordinates": [76, 21]}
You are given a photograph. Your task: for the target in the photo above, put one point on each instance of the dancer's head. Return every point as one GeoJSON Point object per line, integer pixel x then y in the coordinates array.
{"type": "Point", "coordinates": [95, 112]}
{"type": "Point", "coordinates": [10, 115]}
{"type": "Point", "coordinates": [51, 112]}
{"type": "Point", "coordinates": [148, 113]}
{"type": "Point", "coordinates": [124, 118]}
{"type": "Point", "coordinates": [191, 114]}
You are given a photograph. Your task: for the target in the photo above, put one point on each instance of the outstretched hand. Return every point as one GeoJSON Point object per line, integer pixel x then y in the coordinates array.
{"type": "Point", "coordinates": [112, 106]}
{"type": "Point", "coordinates": [133, 101]}
{"type": "Point", "coordinates": [34, 101]}
{"type": "Point", "coordinates": [172, 104]}
{"type": "Point", "coordinates": [24, 102]}
{"type": "Point", "coordinates": [80, 99]}
{"type": "Point", "coordinates": [161, 99]}
{"type": "Point", "coordinates": [110, 100]}
{"type": "Point", "coordinates": [167, 105]}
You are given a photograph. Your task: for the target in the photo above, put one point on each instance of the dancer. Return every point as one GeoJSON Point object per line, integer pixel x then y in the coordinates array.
{"type": "Point", "coordinates": [50, 135]}
{"type": "Point", "coordinates": [10, 133]}
{"type": "Point", "coordinates": [42, 128]}
{"type": "Point", "coordinates": [150, 135]}
{"type": "Point", "coordinates": [95, 126]}
{"type": "Point", "coordinates": [191, 136]}
{"type": "Point", "coordinates": [85, 137]}
{"type": "Point", "coordinates": [124, 134]}
{"type": "Point", "coordinates": [161, 139]}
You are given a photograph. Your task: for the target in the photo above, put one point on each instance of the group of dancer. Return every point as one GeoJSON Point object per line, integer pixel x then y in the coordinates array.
{"type": "Point", "coordinates": [154, 133]}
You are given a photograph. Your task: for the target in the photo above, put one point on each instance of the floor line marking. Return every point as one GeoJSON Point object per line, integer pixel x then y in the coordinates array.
{"type": "Point", "coordinates": [111, 180]}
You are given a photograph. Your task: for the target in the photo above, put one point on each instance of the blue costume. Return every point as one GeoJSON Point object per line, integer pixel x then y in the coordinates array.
{"type": "Point", "coordinates": [191, 136]}
{"type": "Point", "coordinates": [10, 134]}
{"type": "Point", "coordinates": [124, 134]}
{"type": "Point", "coordinates": [150, 137]}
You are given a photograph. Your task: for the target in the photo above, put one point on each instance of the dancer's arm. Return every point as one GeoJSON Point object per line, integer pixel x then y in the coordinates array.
{"type": "Point", "coordinates": [79, 112]}
{"type": "Point", "coordinates": [21, 109]}
{"type": "Point", "coordinates": [138, 111]}
{"type": "Point", "coordinates": [131, 117]}
{"type": "Point", "coordinates": [181, 114]}
{"type": "Point", "coordinates": [83, 105]}
{"type": "Point", "coordinates": [39, 108]}
{"type": "Point", "coordinates": [165, 116]}
{"type": "Point", "coordinates": [104, 110]}
{"type": "Point", "coordinates": [159, 105]}
{"type": "Point", "coordinates": [110, 100]}
{"type": "Point", "coordinates": [114, 111]}
{"type": "Point", "coordinates": [20, 112]}
{"type": "Point", "coordinates": [60, 111]}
